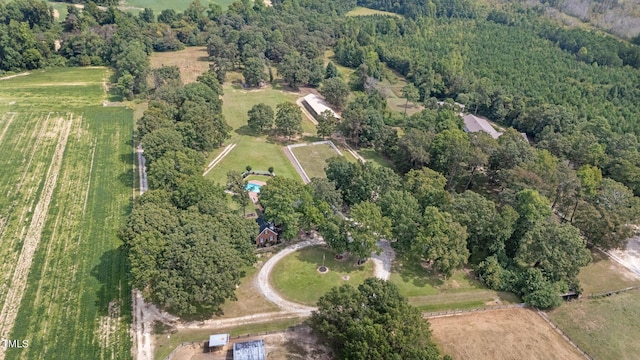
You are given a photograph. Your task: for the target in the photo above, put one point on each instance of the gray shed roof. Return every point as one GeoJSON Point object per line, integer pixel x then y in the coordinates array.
{"type": "Point", "coordinates": [218, 340]}
{"type": "Point", "coordinates": [250, 350]}
{"type": "Point", "coordinates": [473, 123]}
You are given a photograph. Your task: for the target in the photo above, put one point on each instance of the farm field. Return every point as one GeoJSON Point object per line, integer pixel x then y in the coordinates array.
{"type": "Point", "coordinates": [500, 334]}
{"type": "Point", "coordinates": [429, 292]}
{"type": "Point", "coordinates": [606, 328]}
{"type": "Point", "coordinates": [67, 181]}
{"type": "Point", "coordinates": [259, 151]}
{"type": "Point", "coordinates": [191, 61]}
{"type": "Point", "coordinates": [296, 276]}
{"type": "Point", "coordinates": [313, 158]}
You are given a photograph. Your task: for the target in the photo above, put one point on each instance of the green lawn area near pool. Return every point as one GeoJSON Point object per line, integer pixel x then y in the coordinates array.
{"type": "Point", "coordinates": [296, 277]}
{"type": "Point", "coordinates": [260, 151]}
{"type": "Point", "coordinates": [430, 292]}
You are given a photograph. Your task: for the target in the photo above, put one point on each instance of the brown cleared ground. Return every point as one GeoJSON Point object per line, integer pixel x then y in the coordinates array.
{"type": "Point", "coordinates": [501, 334]}
{"type": "Point", "coordinates": [191, 61]}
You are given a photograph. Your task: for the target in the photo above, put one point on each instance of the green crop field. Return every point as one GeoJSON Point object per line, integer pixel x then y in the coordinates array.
{"type": "Point", "coordinates": [313, 158]}
{"type": "Point", "coordinates": [259, 151]}
{"type": "Point", "coordinates": [67, 188]}
{"type": "Point", "coordinates": [296, 276]}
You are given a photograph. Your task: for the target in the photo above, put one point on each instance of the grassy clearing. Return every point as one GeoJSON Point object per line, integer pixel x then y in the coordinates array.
{"type": "Point", "coordinates": [192, 62]}
{"type": "Point", "coordinates": [297, 278]}
{"type": "Point", "coordinates": [606, 328]}
{"type": "Point", "coordinates": [164, 345]}
{"type": "Point", "coordinates": [177, 5]}
{"type": "Point", "coordinates": [375, 158]}
{"type": "Point", "coordinates": [313, 158]}
{"type": "Point", "coordinates": [603, 275]}
{"type": "Point", "coordinates": [259, 151]}
{"type": "Point", "coordinates": [363, 11]}
{"type": "Point", "coordinates": [250, 301]}
{"type": "Point", "coordinates": [344, 71]}
{"type": "Point", "coordinates": [76, 298]}
{"type": "Point", "coordinates": [430, 292]}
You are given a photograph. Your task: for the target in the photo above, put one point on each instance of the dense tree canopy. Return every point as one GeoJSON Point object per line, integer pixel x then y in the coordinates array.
{"type": "Point", "coordinates": [372, 322]}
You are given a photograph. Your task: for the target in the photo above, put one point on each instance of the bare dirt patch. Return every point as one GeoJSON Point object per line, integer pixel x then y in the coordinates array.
{"type": "Point", "coordinates": [501, 334]}
{"type": "Point", "coordinates": [300, 343]}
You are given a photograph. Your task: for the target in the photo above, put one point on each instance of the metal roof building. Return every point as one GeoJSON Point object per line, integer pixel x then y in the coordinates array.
{"type": "Point", "coordinates": [250, 350]}
{"type": "Point", "coordinates": [218, 340]}
{"type": "Point", "coordinates": [474, 123]}
{"type": "Point", "coordinates": [318, 105]}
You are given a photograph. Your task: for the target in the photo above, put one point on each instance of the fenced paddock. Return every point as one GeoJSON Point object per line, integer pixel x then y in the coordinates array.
{"type": "Point", "coordinates": [501, 334]}
{"type": "Point", "coordinates": [311, 159]}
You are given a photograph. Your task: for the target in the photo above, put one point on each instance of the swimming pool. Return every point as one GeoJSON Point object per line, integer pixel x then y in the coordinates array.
{"type": "Point", "coordinates": [253, 187]}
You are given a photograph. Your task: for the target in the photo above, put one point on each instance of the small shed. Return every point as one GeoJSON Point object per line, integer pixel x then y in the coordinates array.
{"type": "Point", "coordinates": [218, 340]}
{"type": "Point", "coordinates": [250, 350]}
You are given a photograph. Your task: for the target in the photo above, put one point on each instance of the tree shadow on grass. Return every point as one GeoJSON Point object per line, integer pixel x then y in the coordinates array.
{"type": "Point", "coordinates": [413, 273]}
{"type": "Point", "coordinates": [113, 299]}
{"type": "Point", "coordinates": [247, 131]}
{"type": "Point", "coordinates": [313, 257]}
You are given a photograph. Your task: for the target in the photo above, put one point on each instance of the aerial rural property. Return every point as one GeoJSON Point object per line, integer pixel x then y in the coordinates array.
{"type": "Point", "coordinates": [319, 179]}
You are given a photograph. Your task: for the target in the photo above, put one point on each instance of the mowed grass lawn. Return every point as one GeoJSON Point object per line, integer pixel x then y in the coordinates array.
{"type": "Point", "coordinates": [257, 150]}
{"type": "Point", "coordinates": [296, 276]}
{"type": "Point", "coordinates": [430, 292]}
{"type": "Point", "coordinates": [313, 158]}
{"type": "Point", "coordinates": [76, 301]}
{"type": "Point", "coordinates": [606, 328]}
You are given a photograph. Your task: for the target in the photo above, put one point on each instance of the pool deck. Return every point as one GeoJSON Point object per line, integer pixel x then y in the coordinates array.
{"type": "Point", "coordinates": [252, 194]}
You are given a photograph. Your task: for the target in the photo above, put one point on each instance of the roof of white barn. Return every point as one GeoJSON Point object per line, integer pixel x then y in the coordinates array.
{"type": "Point", "coordinates": [319, 105]}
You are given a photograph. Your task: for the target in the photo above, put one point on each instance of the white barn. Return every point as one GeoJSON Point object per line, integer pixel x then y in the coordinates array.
{"type": "Point", "coordinates": [316, 105]}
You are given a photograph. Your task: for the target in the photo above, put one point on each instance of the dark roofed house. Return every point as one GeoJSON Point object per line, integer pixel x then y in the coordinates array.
{"type": "Point", "coordinates": [268, 233]}
{"type": "Point", "coordinates": [250, 350]}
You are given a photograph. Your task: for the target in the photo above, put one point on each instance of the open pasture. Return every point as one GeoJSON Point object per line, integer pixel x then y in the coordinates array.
{"type": "Point", "coordinates": [66, 185]}
{"type": "Point", "coordinates": [606, 328]}
{"type": "Point", "coordinates": [500, 334]}
{"type": "Point", "coordinates": [178, 5]}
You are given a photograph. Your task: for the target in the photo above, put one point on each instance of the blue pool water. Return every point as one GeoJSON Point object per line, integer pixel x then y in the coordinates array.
{"type": "Point", "coordinates": [253, 187]}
